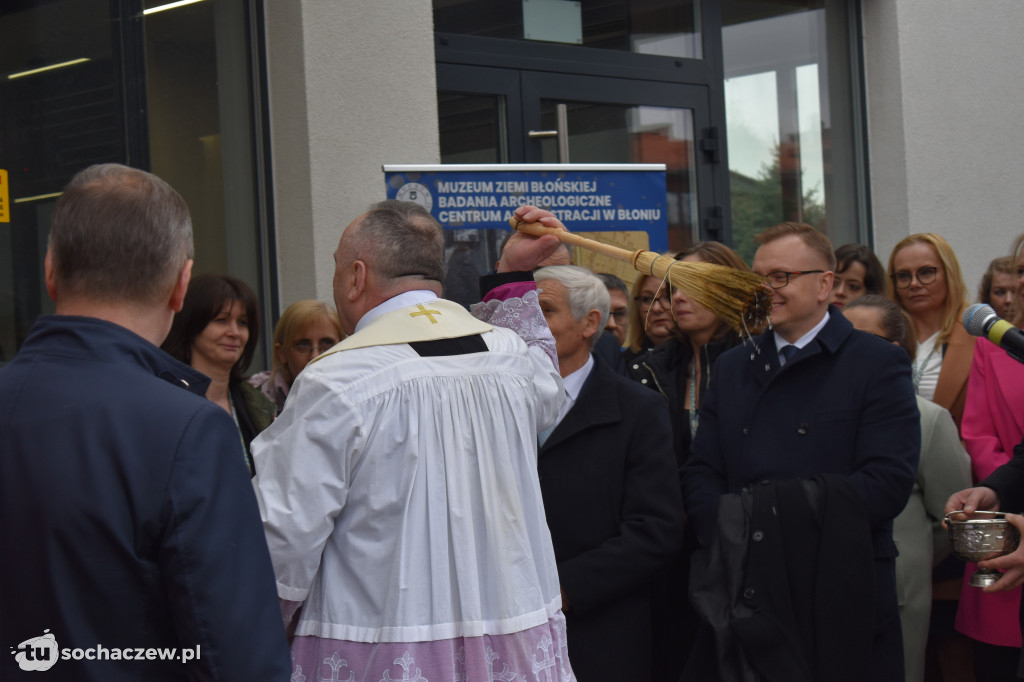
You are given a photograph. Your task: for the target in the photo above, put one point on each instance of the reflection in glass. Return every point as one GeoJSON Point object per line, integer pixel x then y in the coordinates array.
{"type": "Point", "coordinates": [55, 121]}
{"type": "Point", "coordinates": [194, 128]}
{"type": "Point", "coordinates": [200, 128]}
{"type": "Point", "coordinates": [201, 132]}
{"type": "Point", "coordinates": [614, 133]}
{"type": "Point", "coordinates": [782, 140]}
{"type": "Point", "coordinates": [472, 128]}
{"type": "Point", "coordinates": [660, 27]}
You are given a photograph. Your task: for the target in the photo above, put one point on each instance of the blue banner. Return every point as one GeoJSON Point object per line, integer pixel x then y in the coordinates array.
{"type": "Point", "coordinates": [587, 198]}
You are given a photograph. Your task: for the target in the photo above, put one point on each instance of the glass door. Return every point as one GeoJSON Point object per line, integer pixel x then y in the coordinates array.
{"type": "Point", "coordinates": [490, 115]}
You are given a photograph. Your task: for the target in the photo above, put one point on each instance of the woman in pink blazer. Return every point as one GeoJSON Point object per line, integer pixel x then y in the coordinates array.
{"type": "Point", "coordinates": [993, 423]}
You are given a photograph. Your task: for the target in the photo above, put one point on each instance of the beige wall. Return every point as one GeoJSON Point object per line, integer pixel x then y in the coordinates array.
{"type": "Point", "coordinates": [945, 109]}
{"type": "Point", "coordinates": [352, 87]}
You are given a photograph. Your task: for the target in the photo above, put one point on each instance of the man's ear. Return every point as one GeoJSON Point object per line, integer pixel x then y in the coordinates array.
{"type": "Point", "coordinates": [360, 275]}
{"type": "Point", "coordinates": [180, 287]}
{"type": "Point", "coordinates": [591, 323]}
{"type": "Point", "coordinates": [826, 286]}
{"type": "Point", "coordinates": [50, 276]}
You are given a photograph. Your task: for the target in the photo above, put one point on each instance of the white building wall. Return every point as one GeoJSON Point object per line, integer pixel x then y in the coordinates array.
{"type": "Point", "coordinates": [351, 86]}
{"type": "Point", "coordinates": [946, 124]}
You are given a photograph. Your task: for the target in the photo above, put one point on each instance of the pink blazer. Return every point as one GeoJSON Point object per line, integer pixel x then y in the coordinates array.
{"type": "Point", "coordinates": [993, 423]}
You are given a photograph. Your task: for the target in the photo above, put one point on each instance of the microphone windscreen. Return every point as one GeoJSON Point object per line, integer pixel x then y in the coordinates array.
{"type": "Point", "coordinates": [976, 317]}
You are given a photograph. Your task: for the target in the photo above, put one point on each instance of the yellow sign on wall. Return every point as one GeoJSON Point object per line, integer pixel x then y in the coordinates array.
{"type": "Point", "coordinates": [5, 198]}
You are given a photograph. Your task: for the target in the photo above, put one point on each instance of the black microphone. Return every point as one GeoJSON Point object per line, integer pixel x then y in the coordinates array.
{"type": "Point", "coordinates": [981, 320]}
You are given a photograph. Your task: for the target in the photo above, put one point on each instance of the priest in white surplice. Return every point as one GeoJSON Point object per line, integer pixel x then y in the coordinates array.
{"type": "Point", "coordinates": [399, 487]}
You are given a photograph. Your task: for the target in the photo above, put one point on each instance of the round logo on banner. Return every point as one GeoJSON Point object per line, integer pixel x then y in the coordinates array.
{"type": "Point", "coordinates": [414, 191]}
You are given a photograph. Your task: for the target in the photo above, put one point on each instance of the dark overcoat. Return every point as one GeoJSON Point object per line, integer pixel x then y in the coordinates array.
{"type": "Point", "coordinates": [612, 500]}
{"type": "Point", "coordinates": [843, 405]}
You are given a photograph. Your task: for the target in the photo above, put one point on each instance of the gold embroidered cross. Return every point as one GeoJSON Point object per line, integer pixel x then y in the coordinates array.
{"type": "Point", "coordinates": [429, 313]}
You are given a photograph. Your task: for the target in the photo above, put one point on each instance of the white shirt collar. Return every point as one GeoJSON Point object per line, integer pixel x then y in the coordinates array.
{"type": "Point", "coordinates": [573, 385]}
{"type": "Point", "coordinates": [806, 338]}
{"type": "Point", "coordinates": [574, 382]}
{"type": "Point", "coordinates": [402, 300]}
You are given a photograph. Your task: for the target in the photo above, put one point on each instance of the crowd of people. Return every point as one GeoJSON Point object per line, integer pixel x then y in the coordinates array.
{"type": "Point", "coordinates": [576, 477]}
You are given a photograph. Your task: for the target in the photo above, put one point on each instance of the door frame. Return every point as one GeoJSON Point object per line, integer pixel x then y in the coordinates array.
{"type": "Point", "coordinates": [524, 89]}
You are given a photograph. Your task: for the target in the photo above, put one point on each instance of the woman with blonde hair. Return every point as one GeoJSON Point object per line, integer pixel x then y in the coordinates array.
{"type": "Point", "coordinates": [650, 317]}
{"type": "Point", "coordinates": [306, 329]}
{"type": "Point", "coordinates": [926, 282]}
{"type": "Point", "coordinates": [680, 367]}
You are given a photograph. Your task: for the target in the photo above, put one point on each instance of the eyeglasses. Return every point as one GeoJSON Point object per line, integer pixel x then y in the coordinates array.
{"type": "Point", "coordinates": [904, 279]}
{"type": "Point", "coordinates": [780, 278]}
{"type": "Point", "coordinates": [305, 346]}
{"type": "Point", "coordinates": [619, 315]}
{"type": "Point", "coordinates": [647, 301]}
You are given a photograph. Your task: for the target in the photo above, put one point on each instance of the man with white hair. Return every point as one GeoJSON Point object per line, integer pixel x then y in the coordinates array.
{"type": "Point", "coordinates": [609, 481]}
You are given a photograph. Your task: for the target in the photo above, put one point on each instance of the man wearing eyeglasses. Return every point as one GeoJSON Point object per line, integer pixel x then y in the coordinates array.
{"type": "Point", "coordinates": [618, 314]}
{"type": "Point", "coordinates": [807, 448]}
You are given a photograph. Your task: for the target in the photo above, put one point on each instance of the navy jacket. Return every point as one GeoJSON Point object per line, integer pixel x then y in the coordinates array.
{"type": "Point", "coordinates": [126, 514]}
{"type": "Point", "coordinates": [843, 405]}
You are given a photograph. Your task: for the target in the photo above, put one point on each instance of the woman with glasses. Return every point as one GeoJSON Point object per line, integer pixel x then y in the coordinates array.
{"type": "Point", "coordinates": [858, 272]}
{"type": "Point", "coordinates": [993, 424]}
{"type": "Point", "coordinates": [925, 281]}
{"type": "Point", "coordinates": [680, 369]}
{"type": "Point", "coordinates": [216, 333]}
{"type": "Point", "coordinates": [650, 317]}
{"type": "Point", "coordinates": [306, 329]}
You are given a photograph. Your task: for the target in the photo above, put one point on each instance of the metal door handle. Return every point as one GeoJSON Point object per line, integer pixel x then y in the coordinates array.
{"type": "Point", "coordinates": [562, 119]}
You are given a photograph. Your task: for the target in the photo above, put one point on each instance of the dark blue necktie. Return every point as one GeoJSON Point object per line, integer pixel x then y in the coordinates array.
{"type": "Point", "coordinates": [787, 352]}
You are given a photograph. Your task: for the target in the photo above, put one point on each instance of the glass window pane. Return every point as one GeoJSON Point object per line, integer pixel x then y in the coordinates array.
{"type": "Point", "coordinates": [779, 72]}
{"type": "Point", "coordinates": [91, 109]}
{"type": "Point", "coordinates": [200, 127]}
{"type": "Point", "coordinates": [472, 128]}
{"type": "Point", "coordinates": [61, 104]}
{"type": "Point", "coordinates": [660, 27]}
{"type": "Point", "coordinates": [616, 133]}
{"type": "Point", "coordinates": [472, 131]}
{"type": "Point", "coordinates": [201, 134]}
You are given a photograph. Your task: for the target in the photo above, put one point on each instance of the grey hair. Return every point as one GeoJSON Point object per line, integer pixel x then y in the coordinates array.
{"type": "Point", "coordinates": [119, 234]}
{"type": "Point", "coordinates": [586, 292]}
{"type": "Point", "coordinates": [400, 239]}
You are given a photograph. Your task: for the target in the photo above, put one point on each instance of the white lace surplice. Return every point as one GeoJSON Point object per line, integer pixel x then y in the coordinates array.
{"type": "Point", "coordinates": [401, 503]}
